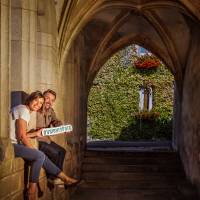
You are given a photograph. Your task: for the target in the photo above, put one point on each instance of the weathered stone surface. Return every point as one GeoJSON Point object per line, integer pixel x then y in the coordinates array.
{"type": "Point", "coordinates": [189, 141]}
{"type": "Point", "coordinates": [17, 165]}
{"type": "Point", "coordinates": [17, 196]}
{"type": "Point", "coordinates": [7, 152]}
{"type": "Point", "coordinates": [6, 168]}
{"type": "Point", "coordinates": [25, 4]}
{"type": "Point", "coordinates": [2, 151]}
{"type": "Point", "coordinates": [58, 45]}
{"type": "Point", "coordinates": [4, 68]}
{"type": "Point", "coordinates": [11, 184]}
{"type": "Point", "coordinates": [133, 175]}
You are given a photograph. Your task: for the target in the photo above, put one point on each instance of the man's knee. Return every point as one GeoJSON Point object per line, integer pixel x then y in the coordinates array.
{"type": "Point", "coordinates": [58, 148]}
{"type": "Point", "coordinates": [63, 150]}
{"type": "Point", "coordinates": [48, 149]}
{"type": "Point", "coordinates": [43, 145]}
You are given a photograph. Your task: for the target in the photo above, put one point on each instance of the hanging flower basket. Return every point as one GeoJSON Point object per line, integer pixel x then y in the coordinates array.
{"type": "Point", "coordinates": [146, 62]}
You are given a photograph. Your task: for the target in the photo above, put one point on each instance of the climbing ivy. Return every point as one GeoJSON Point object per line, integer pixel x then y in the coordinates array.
{"type": "Point", "coordinates": [114, 99]}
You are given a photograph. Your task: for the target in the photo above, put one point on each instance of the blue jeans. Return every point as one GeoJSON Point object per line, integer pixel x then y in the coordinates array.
{"type": "Point", "coordinates": [38, 160]}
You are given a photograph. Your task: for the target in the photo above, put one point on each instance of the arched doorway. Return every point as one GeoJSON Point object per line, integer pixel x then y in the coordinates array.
{"type": "Point", "coordinates": [105, 27]}
{"type": "Point", "coordinates": [131, 101]}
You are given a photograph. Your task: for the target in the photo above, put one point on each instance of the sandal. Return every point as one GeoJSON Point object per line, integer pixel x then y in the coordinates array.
{"type": "Point", "coordinates": [78, 182]}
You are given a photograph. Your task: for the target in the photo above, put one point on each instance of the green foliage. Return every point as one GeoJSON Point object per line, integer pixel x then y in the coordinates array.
{"type": "Point", "coordinates": [114, 100]}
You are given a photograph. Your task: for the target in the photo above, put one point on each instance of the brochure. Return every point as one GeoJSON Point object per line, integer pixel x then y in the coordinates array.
{"type": "Point", "coordinates": [57, 130]}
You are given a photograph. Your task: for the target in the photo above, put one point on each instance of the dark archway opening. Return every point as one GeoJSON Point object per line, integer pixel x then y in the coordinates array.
{"type": "Point", "coordinates": [130, 104]}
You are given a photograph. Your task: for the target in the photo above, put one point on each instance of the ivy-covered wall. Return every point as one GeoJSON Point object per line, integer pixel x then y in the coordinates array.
{"type": "Point", "coordinates": [113, 103]}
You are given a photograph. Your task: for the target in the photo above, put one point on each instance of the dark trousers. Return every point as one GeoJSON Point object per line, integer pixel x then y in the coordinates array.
{"type": "Point", "coordinates": [55, 153]}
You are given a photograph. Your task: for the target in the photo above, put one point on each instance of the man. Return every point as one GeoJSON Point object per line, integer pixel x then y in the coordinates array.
{"type": "Point", "coordinates": [45, 119]}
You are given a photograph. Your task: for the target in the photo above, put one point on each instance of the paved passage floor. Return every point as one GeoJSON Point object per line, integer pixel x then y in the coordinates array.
{"type": "Point", "coordinates": [121, 172]}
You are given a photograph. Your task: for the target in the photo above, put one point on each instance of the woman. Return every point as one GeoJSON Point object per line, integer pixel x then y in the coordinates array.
{"type": "Point", "coordinates": [20, 117]}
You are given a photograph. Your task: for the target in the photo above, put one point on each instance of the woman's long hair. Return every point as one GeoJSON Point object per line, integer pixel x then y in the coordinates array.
{"type": "Point", "coordinates": [33, 96]}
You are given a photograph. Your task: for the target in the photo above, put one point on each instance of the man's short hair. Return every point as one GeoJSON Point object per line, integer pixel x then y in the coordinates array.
{"type": "Point", "coordinates": [50, 91]}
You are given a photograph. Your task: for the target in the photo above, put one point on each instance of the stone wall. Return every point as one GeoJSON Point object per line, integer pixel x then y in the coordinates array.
{"type": "Point", "coordinates": [36, 54]}
{"type": "Point", "coordinates": [168, 35]}
{"type": "Point", "coordinates": [189, 141]}
{"type": "Point", "coordinates": [73, 91]}
{"type": "Point", "coordinates": [29, 61]}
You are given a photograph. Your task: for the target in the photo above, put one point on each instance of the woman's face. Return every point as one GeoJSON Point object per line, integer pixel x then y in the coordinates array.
{"type": "Point", "coordinates": [36, 104]}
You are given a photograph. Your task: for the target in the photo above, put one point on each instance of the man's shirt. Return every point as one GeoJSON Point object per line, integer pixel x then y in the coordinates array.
{"type": "Point", "coordinates": [47, 119]}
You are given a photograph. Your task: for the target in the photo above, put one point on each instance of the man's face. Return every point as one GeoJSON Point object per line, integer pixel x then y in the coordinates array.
{"type": "Point", "coordinates": [49, 100]}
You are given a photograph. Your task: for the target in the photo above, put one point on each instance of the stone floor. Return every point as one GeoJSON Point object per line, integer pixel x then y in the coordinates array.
{"type": "Point", "coordinates": [133, 171]}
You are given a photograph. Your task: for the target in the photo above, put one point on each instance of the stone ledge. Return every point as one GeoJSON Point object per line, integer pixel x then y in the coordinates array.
{"type": "Point", "coordinates": [17, 164]}
{"type": "Point", "coordinates": [17, 196]}
{"type": "Point", "coordinates": [11, 184]}
{"type": "Point", "coordinates": [6, 149]}
{"type": "Point", "coordinates": [5, 168]}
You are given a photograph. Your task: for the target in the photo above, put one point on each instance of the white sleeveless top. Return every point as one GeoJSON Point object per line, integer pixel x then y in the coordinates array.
{"type": "Point", "coordinates": [18, 112]}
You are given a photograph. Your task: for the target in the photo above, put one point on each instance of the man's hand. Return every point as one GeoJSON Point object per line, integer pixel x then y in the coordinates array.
{"type": "Point", "coordinates": [42, 138]}
{"type": "Point", "coordinates": [38, 133]}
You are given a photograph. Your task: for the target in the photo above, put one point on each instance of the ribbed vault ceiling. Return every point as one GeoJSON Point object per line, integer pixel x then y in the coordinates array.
{"type": "Point", "coordinates": [164, 27]}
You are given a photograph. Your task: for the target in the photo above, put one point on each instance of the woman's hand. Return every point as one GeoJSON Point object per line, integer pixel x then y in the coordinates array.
{"type": "Point", "coordinates": [38, 133]}
{"type": "Point", "coordinates": [35, 133]}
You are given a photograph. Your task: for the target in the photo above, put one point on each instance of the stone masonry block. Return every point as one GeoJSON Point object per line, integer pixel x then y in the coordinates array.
{"type": "Point", "coordinates": [5, 20]}
{"type": "Point", "coordinates": [5, 168]}
{"type": "Point", "coordinates": [25, 25]}
{"type": "Point", "coordinates": [42, 173]}
{"type": "Point", "coordinates": [6, 197]}
{"type": "Point", "coordinates": [6, 149]}
{"type": "Point", "coordinates": [46, 39]}
{"type": "Point", "coordinates": [7, 185]}
{"type": "Point", "coordinates": [9, 151]}
{"type": "Point", "coordinates": [16, 23]}
{"type": "Point", "coordinates": [17, 183]}
{"type": "Point", "coordinates": [17, 196]}
{"type": "Point", "coordinates": [17, 165]}
{"type": "Point", "coordinates": [25, 4]}
{"type": "Point", "coordinates": [4, 2]}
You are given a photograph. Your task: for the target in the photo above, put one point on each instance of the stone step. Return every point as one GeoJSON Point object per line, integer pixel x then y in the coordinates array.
{"type": "Point", "coordinates": [133, 176]}
{"type": "Point", "coordinates": [138, 176]}
{"type": "Point", "coordinates": [132, 160]}
{"type": "Point", "coordinates": [105, 153]}
{"type": "Point", "coordinates": [128, 184]}
{"type": "Point", "coordinates": [92, 167]}
{"type": "Point", "coordinates": [95, 194]}
{"type": "Point", "coordinates": [180, 191]}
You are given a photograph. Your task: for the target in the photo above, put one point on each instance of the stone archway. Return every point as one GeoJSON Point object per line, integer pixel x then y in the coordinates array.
{"type": "Point", "coordinates": [62, 45]}
{"type": "Point", "coordinates": [102, 28]}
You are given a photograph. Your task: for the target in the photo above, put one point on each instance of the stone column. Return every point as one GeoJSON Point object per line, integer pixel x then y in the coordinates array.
{"type": "Point", "coordinates": [5, 146]}
{"type": "Point", "coordinates": [72, 89]}
{"type": "Point", "coordinates": [4, 67]}
{"type": "Point", "coordinates": [190, 141]}
{"type": "Point", "coordinates": [23, 44]}
{"type": "Point", "coordinates": [176, 137]}
{"type": "Point", "coordinates": [11, 174]}
{"type": "Point", "coordinates": [46, 68]}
